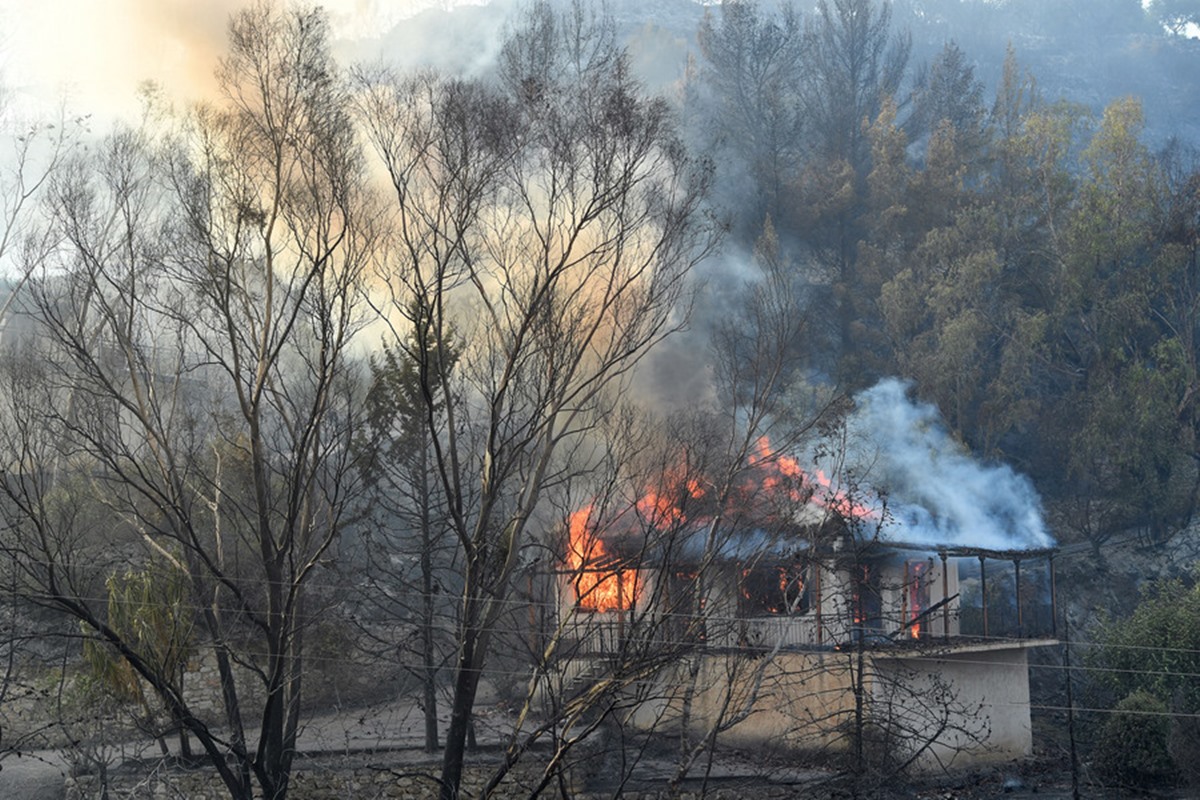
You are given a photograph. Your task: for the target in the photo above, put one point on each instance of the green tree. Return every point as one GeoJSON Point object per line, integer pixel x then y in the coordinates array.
{"type": "Point", "coordinates": [853, 66]}
{"type": "Point", "coordinates": [853, 63]}
{"type": "Point", "coordinates": [943, 303]}
{"type": "Point", "coordinates": [1121, 406]}
{"type": "Point", "coordinates": [1156, 649]}
{"type": "Point", "coordinates": [1131, 744]}
{"type": "Point", "coordinates": [150, 609]}
{"type": "Point", "coordinates": [404, 415]}
{"type": "Point", "coordinates": [948, 92]}
{"type": "Point", "coordinates": [1145, 664]}
{"type": "Point", "coordinates": [748, 99]}
{"type": "Point", "coordinates": [1178, 308]}
{"type": "Point", "coordinates": [938, 307]}
{"type": "Point", "coordinates": [889, 230]}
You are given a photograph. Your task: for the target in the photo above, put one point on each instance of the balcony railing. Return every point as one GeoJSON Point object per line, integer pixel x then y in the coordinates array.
{"type": "Point", "coordinates": [972, 594]}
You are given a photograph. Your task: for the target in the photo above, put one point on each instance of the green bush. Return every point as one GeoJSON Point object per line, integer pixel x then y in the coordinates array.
{"type": "Point", "coordinates": [1156, 649]}
{"type": "Point", "coordinates": [1184, 745]}
{"type": "Point", "coordinates": [1131, 746]}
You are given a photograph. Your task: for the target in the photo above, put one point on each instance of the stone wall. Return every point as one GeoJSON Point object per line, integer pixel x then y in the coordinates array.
{"type": "Point", "coordinates": [372, 784]}
{"type": "Point", "coordinates": [206, 785]}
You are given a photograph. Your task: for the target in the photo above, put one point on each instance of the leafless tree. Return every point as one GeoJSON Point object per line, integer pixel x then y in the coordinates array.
{"type": "Point", "coordinates": [651, 551]}
{"type": "Point", "coordinates": [189, 374]}
{"type": "Point", "coordinates": [769, 412]}
{"type": "Point", "coordinates": [33, 151]}
{"type": "Point", "coordinates": [590, 626]}
{"type": "Point", "coordinates": [550, 222]}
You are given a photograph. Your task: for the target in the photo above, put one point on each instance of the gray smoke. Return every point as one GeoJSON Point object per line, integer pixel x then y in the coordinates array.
{"type": "Point", "coordinates": [936, 492]}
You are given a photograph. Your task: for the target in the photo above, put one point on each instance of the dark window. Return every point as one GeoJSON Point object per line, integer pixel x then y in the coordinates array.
{"type": "Point", "coordinates": [773, 589]}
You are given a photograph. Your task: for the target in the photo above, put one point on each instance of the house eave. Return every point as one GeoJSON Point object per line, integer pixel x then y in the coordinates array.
{"type": "Point", "coordinates": [961, 647]}
{"type": "Point", "coordinates": [958, 551]}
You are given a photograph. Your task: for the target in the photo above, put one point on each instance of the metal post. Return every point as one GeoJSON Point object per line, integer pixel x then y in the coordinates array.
{"type": "Point", "coordinates": [620, 611]}
{"type": "Point", "coordinates": [1017, 581]}
{"type": "Point", "coordinates": [535, 642]}
{"type": "Point", "coordinates": [983, 592]}
{"type": "Point", "coordinates": [817, 591]}
{"type": "Point", "coordinates": [1053, 600]}
{"type": "Point", "coordinates": [1070, 708]}
{"type": "Point", "coordinates": [945, 598]}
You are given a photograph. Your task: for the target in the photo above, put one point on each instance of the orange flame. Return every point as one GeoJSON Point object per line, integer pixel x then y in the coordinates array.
{"type": "Point", "coordinates": [601, 584]}
{"type": "Point", "coordinates": [916, 595]}
{"type": "Point", "coordinates": [814, 487]}
{"type": "Point", "coordinates": [598, 588]}
{"type": "Point", "coordinates": [664, 510]}
{"type": "Point", "coordinates": [782, 472]}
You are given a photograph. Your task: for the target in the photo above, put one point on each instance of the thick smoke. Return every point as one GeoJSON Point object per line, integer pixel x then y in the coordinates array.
{"type": "Point", "coordinates": [936, 492]}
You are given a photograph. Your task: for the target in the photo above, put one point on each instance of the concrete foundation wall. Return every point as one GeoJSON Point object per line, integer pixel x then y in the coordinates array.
{"type": "Point", "coordinates": [953, 708]}
{"type": "Point", "coordinates": [990, 694]}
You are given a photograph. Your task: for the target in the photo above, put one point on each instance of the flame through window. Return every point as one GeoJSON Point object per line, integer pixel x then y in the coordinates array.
{"type": "Point", "coordinates": [601, 582]}
{"type": "Point", "coordinates": [916, 598]}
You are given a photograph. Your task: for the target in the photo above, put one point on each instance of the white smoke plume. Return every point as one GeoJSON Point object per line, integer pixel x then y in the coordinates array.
{"type": "Point", "coordinates": [937, 493]}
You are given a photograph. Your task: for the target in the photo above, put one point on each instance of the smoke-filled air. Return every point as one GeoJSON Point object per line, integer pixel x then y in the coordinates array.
{"type": "Point", "coordinates": [934, 491]}
{"type": "Point", "coordinates": [564, 398]}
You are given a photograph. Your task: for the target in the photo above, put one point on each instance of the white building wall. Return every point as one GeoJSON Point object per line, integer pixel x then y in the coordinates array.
{"type": "Point", "coordinates": [985, 702]}
{"type": "Point", "coordinates": [960, 708]}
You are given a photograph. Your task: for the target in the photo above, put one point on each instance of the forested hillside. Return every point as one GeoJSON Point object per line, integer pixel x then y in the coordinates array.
{"type": "Point", "coordinates": [1029, 262]}
{"type": "Point", "coordinates": [1023, 255]}
{"type": "Point", "coordinates": [995, 200]}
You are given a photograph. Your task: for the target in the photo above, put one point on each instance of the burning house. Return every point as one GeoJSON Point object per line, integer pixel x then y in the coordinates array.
{"type": "Point", "coordinates": [810, 627]}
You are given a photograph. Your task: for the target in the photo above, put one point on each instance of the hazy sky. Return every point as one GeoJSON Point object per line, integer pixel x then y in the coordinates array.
{"type": "Point", "coordinates": [97, 52]}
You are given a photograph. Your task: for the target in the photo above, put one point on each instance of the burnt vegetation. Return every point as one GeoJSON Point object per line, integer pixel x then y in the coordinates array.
{"type": "Point", "coordinates": [529, 398]}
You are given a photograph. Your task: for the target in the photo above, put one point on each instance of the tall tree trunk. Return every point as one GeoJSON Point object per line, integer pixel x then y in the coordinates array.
{"type": "Point", "coordinates": [466, 683]}
{"type": "Point", "coordinates": [429, 662]}
{"type": "Point", "coordinates": [272, 756]}
{"type": "Point", "coordinates": [860, 719]}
